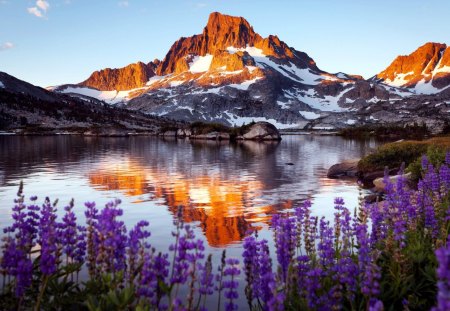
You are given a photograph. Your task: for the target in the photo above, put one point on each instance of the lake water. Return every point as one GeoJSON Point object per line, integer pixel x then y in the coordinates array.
{"type": "Point", "coordinates": [226, 189]}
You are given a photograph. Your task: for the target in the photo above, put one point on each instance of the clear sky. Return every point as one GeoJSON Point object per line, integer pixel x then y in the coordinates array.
{"type": "Point", "coordinates": [62, 41]}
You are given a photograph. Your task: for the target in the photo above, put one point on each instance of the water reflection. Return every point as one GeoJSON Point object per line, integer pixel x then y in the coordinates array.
{"type": "Point", "coordinates": [226, 189]}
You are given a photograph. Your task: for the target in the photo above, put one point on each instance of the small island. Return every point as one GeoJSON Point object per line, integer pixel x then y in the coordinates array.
{"type": "Point", "coordinates": [257, 131]}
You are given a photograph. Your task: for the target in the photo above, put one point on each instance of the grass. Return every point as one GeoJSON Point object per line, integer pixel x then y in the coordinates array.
{"type": "Point", "coordinates": [392, 155]}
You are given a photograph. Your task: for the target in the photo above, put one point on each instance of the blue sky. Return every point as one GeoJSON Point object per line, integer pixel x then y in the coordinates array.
{"type": "Point", "coordinates": [62, 41]}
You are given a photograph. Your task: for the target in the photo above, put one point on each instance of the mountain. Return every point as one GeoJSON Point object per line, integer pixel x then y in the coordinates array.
{"type": "Point", "coordinates": [232, 75]}
{"type": "Point", "coordinates": [31, 109]}
{"type": "Point", "coordinates": [126, 78]}
{"type": "Point", "coordinates": [425, 71]}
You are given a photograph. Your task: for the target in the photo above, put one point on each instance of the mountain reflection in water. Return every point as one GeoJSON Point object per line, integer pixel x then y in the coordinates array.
{"type": "Point", "coordinates": [226, 189]}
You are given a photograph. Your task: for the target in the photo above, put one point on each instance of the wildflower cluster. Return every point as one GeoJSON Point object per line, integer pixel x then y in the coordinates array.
{"type": "Point", "coordinates": [392, 254]}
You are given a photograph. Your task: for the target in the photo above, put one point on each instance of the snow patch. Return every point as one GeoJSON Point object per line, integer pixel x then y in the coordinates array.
{"type": "Point", "coordinates": [154, 79]}
{"type": "Point", "coordinates": [444, 69]}
{"type": "Point", "coordinates": [290, 71]}
{"type": "Point", "coordinates": [176, 83]}
{"type": "Point", "coordinates": [110, 97]}
{"type": "Point", "coordinates": [399, 79]}
{"type": "Point", "coordinates": [283, 105]}
{"type": "Point", "coordinates": [426, 87]}
{"type": "Point", "coordinates": [2, 86]}
{"type": "Point", "coordinates": [200, 63]}
{"type": "Point", "coordinates": [350, 122]}
{"type": "Point", "coordinates": [244, 85]}
{"type": "Point", "coordinates": [309, 115]}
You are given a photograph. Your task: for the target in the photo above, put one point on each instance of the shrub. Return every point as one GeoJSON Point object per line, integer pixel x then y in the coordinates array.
{"type": "Point", "coordinates": [392, 155]}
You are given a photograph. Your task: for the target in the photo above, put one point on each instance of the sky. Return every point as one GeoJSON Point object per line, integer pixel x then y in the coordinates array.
{"type": "Point", "coordinates": [52, 42]}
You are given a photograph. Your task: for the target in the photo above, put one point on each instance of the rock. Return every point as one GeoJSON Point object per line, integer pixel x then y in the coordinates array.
{"type": "Point", "coordinates": [126, 78]}
{"type": "Point", "coordinates": [181, 133]}
{"type": "Point", "coordinates": [368, 178]}
{"type": "Point", "coordinates": [379, 182]}
{"type": "Point", "coordinates": [347, 168]}
{"type": "Point", "coordinates": [262, 131]}
{"type": "Point", "coordinates": [232, 62]}
{"type": "Point", "coordinates": [170, 133]}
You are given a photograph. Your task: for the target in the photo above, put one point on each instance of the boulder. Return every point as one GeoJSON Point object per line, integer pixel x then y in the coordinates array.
{"type": "Point", "coordinates": [170, 133]}
{"type": "Point", "coordinates": [181, 133]}
{"type": "Point", "coordinates": [262, 131]}
{"type": "Point", "coordinates": [379, 182]}
{"type": "Point", "coordinates": [347, 168]}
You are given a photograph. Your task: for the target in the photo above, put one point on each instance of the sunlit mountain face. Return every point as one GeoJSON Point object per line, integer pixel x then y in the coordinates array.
{"type": "Point", "coordinates": [226, 208]}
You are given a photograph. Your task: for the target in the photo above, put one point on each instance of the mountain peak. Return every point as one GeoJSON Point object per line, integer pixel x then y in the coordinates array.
{"type": "Point", "coordinates": [428, 63]}
{"type": "Point", "coordinates": [226, 30]}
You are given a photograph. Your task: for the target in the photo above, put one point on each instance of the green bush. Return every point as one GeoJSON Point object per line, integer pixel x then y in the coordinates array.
{"type": "Point", "coordinates": [435, 155]}
{"type": "Point", "coordinates": [392, 155]}
{"type": "Point", "coordinates": [410, 152]}
{"type": "Point", "coordinates": [205, 128]}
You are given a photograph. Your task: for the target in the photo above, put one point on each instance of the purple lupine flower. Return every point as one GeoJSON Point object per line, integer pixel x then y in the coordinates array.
{"type": "Point", "coordinates": [80, 249]}
{"type": "Point", "coordinates": [183, 256]}
{"type": "Point", "coordinates": [136, 246]}
{"type": "Point", "coordinates": [267, 278]}
{"type": "Point", "coordinates": [72, 236]}
{"type": "Point", "coordinates": [276, 303]}
{"type": "Point", "coordinates": [251, 268]}
{"type": "Point", "coordinates": [206, 277]}
{"type": "Point", "coordinates": [258, 270]}
{"type": "Point", "coordinates": [112, 238]}
{"type": "Point", "coordinates": [285, 242]}
{"type": "Point", "coordinates": [303, 267]}
{"type": "Point", "coordinates": [21, 238]}
{"type": "Point", "coordinates": [443, 274]}
{"type": "Point", "coordinates": [345, 269]}
{"type": "Point", "coordinates": [231, 294]}
{"type": "Point", "coordinates": [154, 273]}
{"type": "Point", "coordinates": [325, 246]}
{"type": "Point", "coordinates": [313, 285]}
{"type": "Point", "coordinates": [15, 262]}
{"type": "Point", "coordinates": [92, 248]}
{"type": "Point", "coordinates": [301, 213]}
{"type": "Point", "coordinates": [48, 239]}
{"type": "Point", "coordinates": [398, 210]}
{"type": "Point", "coordinates": [444, 177]}
{"type": "Point", "coordinates": [425, 202]}
{"type": "Point", "coordinates": [376, 305]}
{"type": "Point", "coordinates": [377, 221]}
{"type": "Point", "coordinates": [68, 231]}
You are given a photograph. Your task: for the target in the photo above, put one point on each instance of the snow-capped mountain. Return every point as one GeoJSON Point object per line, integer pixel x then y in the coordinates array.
{"type": "Point", "coordinates": [230, 74]}
{"type": "Point", "coordinates": [425, 71]}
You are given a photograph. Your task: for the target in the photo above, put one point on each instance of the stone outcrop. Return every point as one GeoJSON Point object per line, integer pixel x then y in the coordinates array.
{"type": "Point", "coordinates": [231, 62]}
{"type": "Point", "coordinates": [262, 131]}
{"type": "Point", "coordinates": [120, 79]}
{"type": "Point", "coordinates": [348, 168]}
{"type": "Point", "coordinates": [381, 186]}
